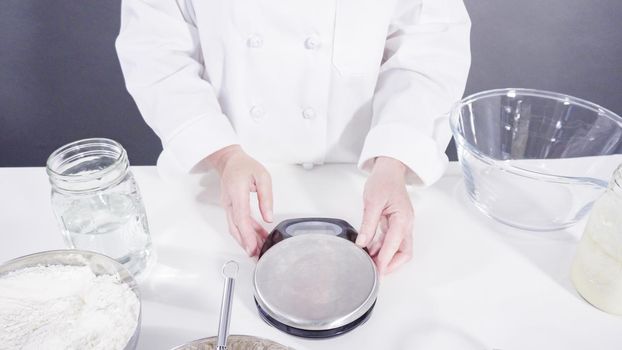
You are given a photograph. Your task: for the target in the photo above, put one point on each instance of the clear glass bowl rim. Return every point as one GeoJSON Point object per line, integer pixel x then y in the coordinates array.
{"type": "Point", "coordinates": [504, 164]}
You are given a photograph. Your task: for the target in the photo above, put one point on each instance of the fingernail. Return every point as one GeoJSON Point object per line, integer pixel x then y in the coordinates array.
{"type": "Point", "coordinates": [269, 216]}
{"type": "Point", "coordinates": [360, 240]}
{"type": "Point", "coordinates": [249, 252]}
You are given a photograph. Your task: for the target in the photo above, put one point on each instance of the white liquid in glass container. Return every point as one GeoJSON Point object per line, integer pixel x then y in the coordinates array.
{"type": "Point", "coordinates": [597, 268]}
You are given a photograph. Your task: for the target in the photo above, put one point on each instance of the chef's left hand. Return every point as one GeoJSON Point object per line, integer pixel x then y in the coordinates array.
{"type": "Point", "coordinates": [387, 204]}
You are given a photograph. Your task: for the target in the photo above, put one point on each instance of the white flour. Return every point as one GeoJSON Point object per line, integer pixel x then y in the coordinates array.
{"type": "Point", "coordinates": [65, 307]}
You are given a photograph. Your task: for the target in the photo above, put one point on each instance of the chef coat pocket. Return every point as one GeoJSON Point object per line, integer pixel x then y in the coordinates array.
{"type": "Point", "coordinates": [359, 38]}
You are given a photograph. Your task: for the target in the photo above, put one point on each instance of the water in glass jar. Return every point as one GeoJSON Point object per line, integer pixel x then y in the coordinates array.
{"type": "Point", "coordinates": [111, 224]}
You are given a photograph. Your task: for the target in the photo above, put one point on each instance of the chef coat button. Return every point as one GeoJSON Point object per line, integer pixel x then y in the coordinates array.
{"type": "Point", "coordinates": [313, 42]}
{"type": "Point", "coordinates": [257, 112]}
{"type": "Point", "coordinates": [307, 166]}
{"type": "Point", "coordinates": [254, 41]}
{"type": "Point", "coordinates": [308, 113]}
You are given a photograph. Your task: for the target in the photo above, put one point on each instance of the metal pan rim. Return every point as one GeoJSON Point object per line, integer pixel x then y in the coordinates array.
{"type": "Point", "coordinates": [309, 326]}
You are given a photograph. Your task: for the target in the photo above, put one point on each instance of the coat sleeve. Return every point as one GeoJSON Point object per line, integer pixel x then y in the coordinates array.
{"type": "Point", "coordinates": [424, 71]}
{"type": "Point", "coordinates": [159, 51]}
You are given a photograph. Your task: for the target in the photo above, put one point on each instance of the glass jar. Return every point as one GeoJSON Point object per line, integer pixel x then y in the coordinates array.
{"type": "Point", "coordinates": [597, 268]}
{"type": "Point", "coordinates": [98, 204]}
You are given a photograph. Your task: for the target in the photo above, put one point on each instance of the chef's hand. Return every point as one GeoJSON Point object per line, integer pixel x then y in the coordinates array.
{"type": "Point", "coordinates": [387, 204]}
{"type": "Point", "coordinates": [239, 176]}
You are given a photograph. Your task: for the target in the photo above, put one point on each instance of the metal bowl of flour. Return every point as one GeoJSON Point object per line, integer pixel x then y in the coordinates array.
{"type": "Point", "coordinates": [99, 264]}
{"type": "Point", "coordinates": [234, 342]}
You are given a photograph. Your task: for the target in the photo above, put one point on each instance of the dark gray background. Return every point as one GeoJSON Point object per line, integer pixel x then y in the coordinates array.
{"type": "Point", "coordinates": [60, 79]}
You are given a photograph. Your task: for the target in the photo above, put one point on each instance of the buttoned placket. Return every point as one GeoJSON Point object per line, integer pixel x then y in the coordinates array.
{"type": "Point", "coordinates": [314, 109]}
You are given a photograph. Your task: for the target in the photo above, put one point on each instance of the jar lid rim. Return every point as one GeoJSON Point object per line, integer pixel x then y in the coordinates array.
{"type": "Point", "coordinates": [80, 143]}
{"type": "Point", "coordinates": [58, 177]}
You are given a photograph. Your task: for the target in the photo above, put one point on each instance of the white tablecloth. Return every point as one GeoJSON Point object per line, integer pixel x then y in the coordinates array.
{"type": "Point", "coordinates": [473, 283]}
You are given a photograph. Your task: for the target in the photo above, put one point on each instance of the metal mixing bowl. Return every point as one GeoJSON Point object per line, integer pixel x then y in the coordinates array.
{"type": "Point", "coordinates": [234, 342]}
{"type": "Point", "coordinates": [533, 159]}
{"type": "Point", "coordinates": [98, 263]}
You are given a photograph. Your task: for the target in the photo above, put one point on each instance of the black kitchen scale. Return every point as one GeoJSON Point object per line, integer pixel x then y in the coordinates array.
{"type": "Point", "coordinates": [312, 281]}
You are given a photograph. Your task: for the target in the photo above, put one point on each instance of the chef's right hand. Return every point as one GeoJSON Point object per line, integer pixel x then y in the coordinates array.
{"type": "Point", "coordinates": [239, 176]}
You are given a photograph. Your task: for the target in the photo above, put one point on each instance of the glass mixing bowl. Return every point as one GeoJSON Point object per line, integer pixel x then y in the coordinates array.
{"type": "Point", "coordinates": [98, 263]}
{"type": "Point", "coordinates": [532, 159]}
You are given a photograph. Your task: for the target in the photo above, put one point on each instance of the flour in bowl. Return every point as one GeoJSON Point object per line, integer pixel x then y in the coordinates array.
{"type": "Point", "coordinates": [65, 307]}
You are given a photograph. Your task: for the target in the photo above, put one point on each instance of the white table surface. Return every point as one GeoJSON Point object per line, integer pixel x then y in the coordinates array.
{"type": "Point", "coordinates": [473, 283]}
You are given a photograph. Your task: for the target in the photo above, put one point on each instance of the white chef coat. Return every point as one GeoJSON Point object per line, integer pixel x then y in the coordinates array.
{"type": "Point", "coordinates": [308, 81]}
